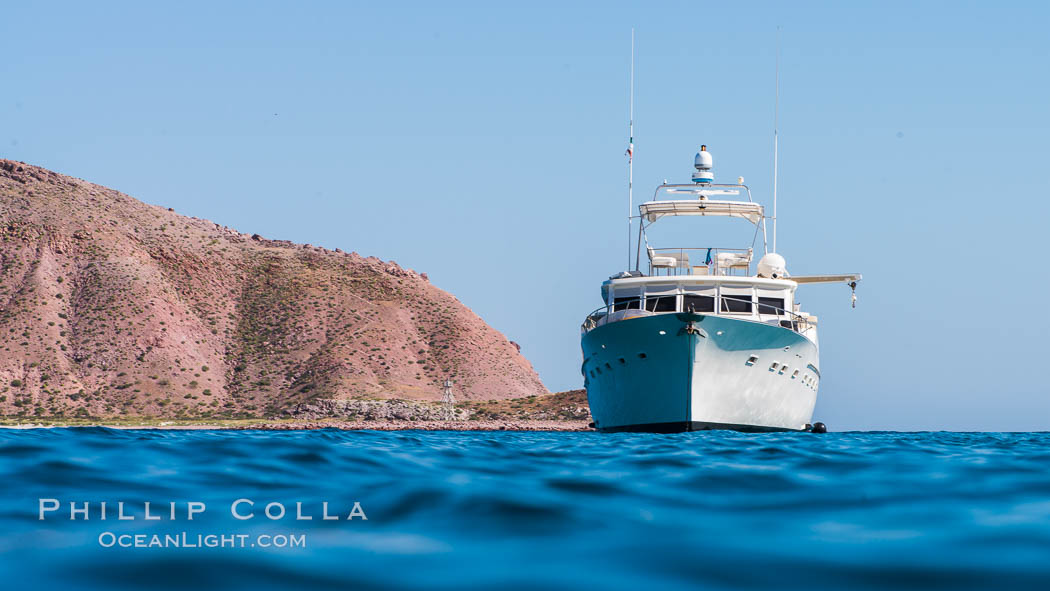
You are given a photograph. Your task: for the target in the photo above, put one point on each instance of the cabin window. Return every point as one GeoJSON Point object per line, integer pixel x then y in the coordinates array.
{"type": "Point", "coordinates": [770, 305]}
{"type": "Point", "coordinates": [661, 303]}
{"type": "Point", "coordinates": [698, 303]}
{"type": "Point", "coordinates": [632, 303]}
{"type": "Point", "coordinates": [736, 303]}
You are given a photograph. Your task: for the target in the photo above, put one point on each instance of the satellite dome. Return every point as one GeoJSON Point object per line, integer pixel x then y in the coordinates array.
{"type": "Point", "coordinates": [703, 163]}
{"type": "Point", "coordinates": [772, 266]}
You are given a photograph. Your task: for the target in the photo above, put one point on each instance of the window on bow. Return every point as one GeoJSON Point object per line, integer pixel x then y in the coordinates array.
{"type": "Point", "coordinates": [627, 304]}
{"type": "Point", "coordinates": [736, 303]}
{"type": "Point", "coordinates": [698, 303]}
{"type": "Point", "coordinates": [661, 303]}
{"type": "Point", "coordinates": [770, 305]}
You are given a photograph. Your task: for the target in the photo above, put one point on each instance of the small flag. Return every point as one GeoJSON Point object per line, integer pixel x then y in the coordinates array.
{"type": "Point", "coordinates": [630, 149]}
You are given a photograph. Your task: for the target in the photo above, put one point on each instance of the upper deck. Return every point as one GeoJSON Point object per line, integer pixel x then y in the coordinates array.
{"type": "Point", "coordinates": [699, 200]}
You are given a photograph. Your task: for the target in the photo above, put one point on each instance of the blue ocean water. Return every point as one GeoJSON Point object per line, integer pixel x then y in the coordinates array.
{"type": "Point", "coordinates": [509, 510]}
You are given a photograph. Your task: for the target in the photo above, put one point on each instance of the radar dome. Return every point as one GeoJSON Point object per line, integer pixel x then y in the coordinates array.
{"type": "Point", "coordinates": [703, 164]}
{"type": "Point", "coordinates": [772, 266]}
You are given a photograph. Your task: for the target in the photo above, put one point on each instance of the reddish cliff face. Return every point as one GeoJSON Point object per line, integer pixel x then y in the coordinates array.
{"type": "Point", "coordinates": [110, 306]}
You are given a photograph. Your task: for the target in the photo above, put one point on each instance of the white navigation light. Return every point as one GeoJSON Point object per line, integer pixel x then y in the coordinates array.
{"type": "Point", "coordinates": [703, 164]}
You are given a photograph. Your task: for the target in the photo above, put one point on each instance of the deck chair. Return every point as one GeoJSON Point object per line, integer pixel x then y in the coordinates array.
{"type": "Point", "coordinates": [726, 261]}
{"type": "Point", "coordinates": [660, 261]}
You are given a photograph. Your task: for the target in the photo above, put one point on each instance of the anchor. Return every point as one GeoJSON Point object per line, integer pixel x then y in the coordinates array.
{"type": "Point", "coordinates": [693, 329]}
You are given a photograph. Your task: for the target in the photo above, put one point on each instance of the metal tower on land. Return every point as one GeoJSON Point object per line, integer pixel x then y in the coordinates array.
{"type": "Point", "coordinates": [448, 398]}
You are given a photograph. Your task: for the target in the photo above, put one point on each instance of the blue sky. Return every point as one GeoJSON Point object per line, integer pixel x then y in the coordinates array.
{"type": "Point", "coordinates": [483, 144]}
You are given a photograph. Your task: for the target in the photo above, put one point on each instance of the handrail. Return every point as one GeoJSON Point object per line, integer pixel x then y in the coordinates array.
{"type": "Point", "coordinates": [698, 248]}
{"type": "Point", "coordinates": [591, 321]}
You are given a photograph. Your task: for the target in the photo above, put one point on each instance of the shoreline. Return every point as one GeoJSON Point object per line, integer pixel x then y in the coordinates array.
{"type": "Point", "coordinates": [344, 425]}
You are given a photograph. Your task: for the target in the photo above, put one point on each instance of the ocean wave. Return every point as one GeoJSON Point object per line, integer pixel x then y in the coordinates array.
{"type": "Point", "coordinates": [559, 510]}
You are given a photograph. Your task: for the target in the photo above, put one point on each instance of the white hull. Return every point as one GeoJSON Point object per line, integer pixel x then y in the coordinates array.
{"type": "Point", "coordinates": [682, 372]}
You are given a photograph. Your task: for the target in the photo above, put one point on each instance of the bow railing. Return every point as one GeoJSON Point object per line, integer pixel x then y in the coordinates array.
{"type": "Point", "coordinates": [628, 308]}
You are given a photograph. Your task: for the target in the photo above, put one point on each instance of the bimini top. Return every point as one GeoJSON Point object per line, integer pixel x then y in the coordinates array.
{"type": "Point", "coordinates": [654, 210]}
{"type": "Point", "coordinates": [669, 200]}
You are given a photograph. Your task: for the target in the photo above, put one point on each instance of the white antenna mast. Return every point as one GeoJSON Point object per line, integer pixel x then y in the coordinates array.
{"type": "Point", "coordinates": [630, 158]}
{"type": "Point", "coordinates": [776, 124]}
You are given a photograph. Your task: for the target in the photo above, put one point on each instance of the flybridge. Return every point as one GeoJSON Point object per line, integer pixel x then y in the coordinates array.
{"type": "Point", "coordinates": [702, 198]}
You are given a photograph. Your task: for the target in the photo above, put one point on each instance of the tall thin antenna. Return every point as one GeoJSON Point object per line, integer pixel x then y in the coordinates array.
{"type": "Point", "coordinates": [630, 157]}
{"type": "Point", "coordinates": [776, 124]}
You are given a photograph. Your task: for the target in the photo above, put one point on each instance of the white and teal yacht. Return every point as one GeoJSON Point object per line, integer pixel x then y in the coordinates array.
{"type": "Point", "coordinates": [696, 340]}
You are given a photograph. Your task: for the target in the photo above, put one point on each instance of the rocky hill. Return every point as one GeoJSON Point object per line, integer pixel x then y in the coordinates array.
{"type": "Point", "coordinates": [112, 307]}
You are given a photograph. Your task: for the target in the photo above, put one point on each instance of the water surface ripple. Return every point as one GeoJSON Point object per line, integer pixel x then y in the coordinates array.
{"type": "Point", "coordinates": [483, 510]}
